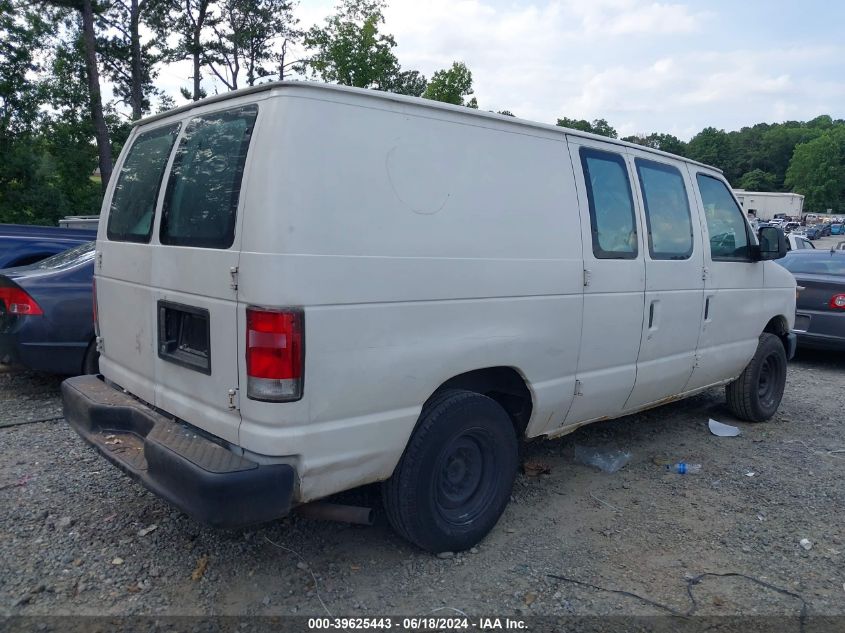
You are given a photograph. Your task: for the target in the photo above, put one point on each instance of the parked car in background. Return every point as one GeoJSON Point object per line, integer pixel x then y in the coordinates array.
{"type": "Point", "coordinates": [820, 311]}
{"type": "Point", "coordinates": [824, 229]}
{"type": "Point", "coordinates": [796, 242]}
{"type": "Point", "coordinates": [837, 228]}
{"type": "Point", "coordinates": [791, 226]}
{"type": "Point", "coordinates": [22, 244]}
{"type": "Point", "coordinates": [46, 314]}
{"type": "Point", "coordinates": [811, 232]}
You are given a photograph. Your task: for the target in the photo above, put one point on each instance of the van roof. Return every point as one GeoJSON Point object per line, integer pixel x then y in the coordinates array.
{"type": "Point", "coordinates": [426, 103]}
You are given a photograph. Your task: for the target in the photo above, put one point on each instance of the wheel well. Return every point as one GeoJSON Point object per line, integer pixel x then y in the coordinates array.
{"type": "Point", "coordinates": [779, 327]}
{"type": "Point", "coordinates": [505, 385]}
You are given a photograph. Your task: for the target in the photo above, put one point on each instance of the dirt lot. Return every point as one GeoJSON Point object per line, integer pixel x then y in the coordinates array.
{"type": "Point", "coordinates": [78, 537]}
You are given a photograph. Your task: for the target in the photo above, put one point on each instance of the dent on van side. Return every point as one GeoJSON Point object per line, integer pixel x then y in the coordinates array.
{"type": "Point", "coordinates": [286, 311]}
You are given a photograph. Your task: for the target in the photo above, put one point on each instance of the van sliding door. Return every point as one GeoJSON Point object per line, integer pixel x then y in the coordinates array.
{"type": "Point", "coordinates": [614, 281]}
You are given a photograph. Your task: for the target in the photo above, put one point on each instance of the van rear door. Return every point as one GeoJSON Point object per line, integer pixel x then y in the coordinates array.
{"type": "Point", "coordinates": [194, 273]}
{"type": "Point", "coordinates": [186, 308]}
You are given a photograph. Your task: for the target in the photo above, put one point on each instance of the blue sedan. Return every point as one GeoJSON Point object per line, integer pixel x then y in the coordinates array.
{"type": "Point", "coordinates": [46, 314]}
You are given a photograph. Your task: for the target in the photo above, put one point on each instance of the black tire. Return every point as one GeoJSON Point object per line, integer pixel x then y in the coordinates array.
{"type": "Point", "coordinates": [755, 396]}
{"type": "Point", "coordinates": [91, 360]}
{"type": "Point", "coordinates": [456, 474]}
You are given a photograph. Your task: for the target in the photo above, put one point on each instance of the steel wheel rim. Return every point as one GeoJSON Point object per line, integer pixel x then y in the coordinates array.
{"type": "Point", "coordinates": [769, 380]}
{"type": "Point", "coordinates": [464, 485]}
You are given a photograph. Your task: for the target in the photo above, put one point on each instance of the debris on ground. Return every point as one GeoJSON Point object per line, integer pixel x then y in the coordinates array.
{"type": "Point", "coordinates": [683, 468]}
{"type": "Point", "coordinates": [722, 430]}
{"type": "Point", "coordinates": [147, 530]}
{"type": "Point", "coordinates": [608, 460]}
{"type": "Point", "coordinates": [806, 544]}
{"type": "Point", "coordinates": [202, 565]}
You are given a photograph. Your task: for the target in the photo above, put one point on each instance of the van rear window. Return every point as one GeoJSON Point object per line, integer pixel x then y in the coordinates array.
{"type": "Point", "coordinates": [135, 195]}
{"type": "Point", "coordinates": [205, 182]}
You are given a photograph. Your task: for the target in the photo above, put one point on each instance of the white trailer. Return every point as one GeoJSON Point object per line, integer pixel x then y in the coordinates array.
{"type": "Point", "coordinates": [766, 204]}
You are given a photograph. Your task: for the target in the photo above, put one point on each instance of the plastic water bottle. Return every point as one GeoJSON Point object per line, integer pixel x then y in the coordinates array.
{"type": "Point", "coordinates": [682, 468]}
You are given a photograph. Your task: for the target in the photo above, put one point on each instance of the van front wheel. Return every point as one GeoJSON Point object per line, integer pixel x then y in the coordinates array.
{"type": "Point", "coordinates": [755, 396]}
{"type": "Point", "coordinates": [456, 475]}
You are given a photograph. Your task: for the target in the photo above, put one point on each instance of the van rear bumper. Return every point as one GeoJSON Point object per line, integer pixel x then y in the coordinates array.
{"type": "Point", "coordinates": [175, 461]}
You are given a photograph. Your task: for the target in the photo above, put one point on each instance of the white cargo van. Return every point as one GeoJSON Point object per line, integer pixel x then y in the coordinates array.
{"type": "Point", "coordinates": [305, 288]}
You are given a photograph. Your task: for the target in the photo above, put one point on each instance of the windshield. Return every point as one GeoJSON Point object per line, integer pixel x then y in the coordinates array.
{"type": "Point", "coordinates": [824, 263]}
{"type": "Point", "coordinates": [69, 257]}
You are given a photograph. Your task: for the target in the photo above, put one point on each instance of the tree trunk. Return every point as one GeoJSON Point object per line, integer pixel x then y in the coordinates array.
{"type": "Point", "coordinates": [197, 94]}
{"type": "Point", "coordinates": [100, 129]}
{"type": "Point", "coordinates": [136, 94]}
{"type": "Point", "coordinates": [197, 46]}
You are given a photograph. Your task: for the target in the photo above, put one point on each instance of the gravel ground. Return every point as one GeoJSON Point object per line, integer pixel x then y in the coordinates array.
{"type": "Point", "coordinates": [78, 537]}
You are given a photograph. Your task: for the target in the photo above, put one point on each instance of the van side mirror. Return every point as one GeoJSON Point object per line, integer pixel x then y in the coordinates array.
{"type": "Point", "coordinates": [772, 243]}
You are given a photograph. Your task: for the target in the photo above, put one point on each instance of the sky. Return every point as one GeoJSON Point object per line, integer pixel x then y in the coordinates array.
{"type": "Point", "coordinates": [645, 66]}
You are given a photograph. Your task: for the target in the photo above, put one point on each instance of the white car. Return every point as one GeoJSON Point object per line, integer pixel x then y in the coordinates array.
{"type": "Point", "coordinates": [304, 288]}
{"type": "Point", "coordinates": [796, 241]}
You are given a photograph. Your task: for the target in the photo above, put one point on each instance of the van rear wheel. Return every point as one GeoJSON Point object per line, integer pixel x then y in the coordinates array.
{"type": "Point", "coordinates": [755, 396]}
{"type": "Point", "coordinates": [456, 475]}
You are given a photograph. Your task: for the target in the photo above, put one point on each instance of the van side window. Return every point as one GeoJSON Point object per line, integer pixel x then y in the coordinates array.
{"type": "Point", "coordinates": [205, 182]}
{"type": "Point", "coordinates": [667, 210]}
{"type": "Point", "coordinates": [612, 220]}
{"type": "Point", "coordinates": [728, 229]}
{"type": "Point", "coordinates": [135, 195]}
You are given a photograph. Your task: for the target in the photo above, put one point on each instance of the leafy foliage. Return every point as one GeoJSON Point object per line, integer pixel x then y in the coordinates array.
{"type": "Point", "coordinates": [127, 62]}
{"type": "Point", "coordinates": [350, 50]}
{"type": "Point", "coordinates": [758, 180]}
{"type": "Point", "coordinates": [451, 86]}
{"type": "Point", "coordinates": [598, 126]}
{"type": "Point", "coordinates": [817, 171]}
{"type": "Point", "coordinates": [663, 142]}
{"type": "Point", "coordinates": [243, 37]}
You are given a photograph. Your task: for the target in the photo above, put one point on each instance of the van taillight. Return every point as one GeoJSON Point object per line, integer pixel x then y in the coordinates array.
{"type": "Point", "coordinates": [17, 301]}
{"type": "Point", "coordinates": [837, 302]}
{"type": "Point", "coordinates": [274, 354]}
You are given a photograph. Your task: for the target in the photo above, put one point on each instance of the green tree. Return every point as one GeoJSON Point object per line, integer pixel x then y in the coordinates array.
{"type": "Point", "coordinates": [713, 147]}
{"type": "Point", "coordinates": [758, 180]}
{"type": "Point", "coordinates": [598, 126]}
{"type": "Point", "coordinates": [777, 146]}
{"type": "Point", "coordinates": [129, 64]}
{"type": "Point", "coordinates": [451, 86]}
{"type": "Point", "coordinates": [86, 12]}
{"type": "Point", "coordinates": [26, 191]}
{"type": "Point", "coordinates": [349, 49]}
{"type": "Point", "coordinates": [192, 22]}
{"type": "Point", "coordinates": [67, 131]}
{"type": "Point", "coordinates": [243, 40]}
{"type": "Point", "coordinates": [407, 82]}
{"type": "Point", "coordinates": [663, 142]}
{"type": "Point", "coordinates": [817, 171]}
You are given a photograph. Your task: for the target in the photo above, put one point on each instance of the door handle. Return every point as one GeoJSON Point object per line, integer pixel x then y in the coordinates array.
{"type": "Point", "coordinates": [707, 308]}
{"type": "Point", "coordinates": [651, 315]}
